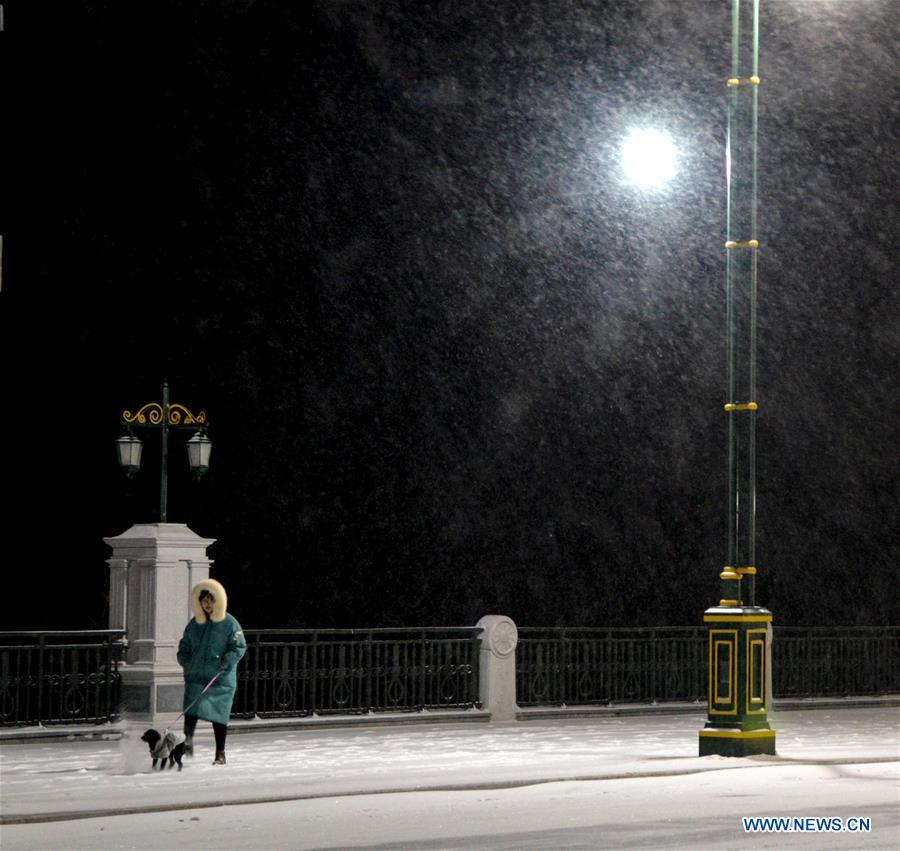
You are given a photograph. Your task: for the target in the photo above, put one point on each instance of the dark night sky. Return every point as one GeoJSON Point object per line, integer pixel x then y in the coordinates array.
{"type": "Point", "coordinates": [454, 363]}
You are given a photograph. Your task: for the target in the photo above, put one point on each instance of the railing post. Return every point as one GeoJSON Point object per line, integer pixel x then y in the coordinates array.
{"type": "Point", "coordinates": [423, 644]}
{"type": "Point", "coordinates": [40, 688]}
{"type": "Point", "coordinates": [497, 683]}
{"type": "Point", "coordinates": [313, 686]}
{"type": "Point", "coordinates": [370, 670]}
{"type": "Point", "coordinates": [255, 706]}
{"type": "Point", "coordinates": [474, 654]}
{"type": "Point", "coordinates": [109, 674]}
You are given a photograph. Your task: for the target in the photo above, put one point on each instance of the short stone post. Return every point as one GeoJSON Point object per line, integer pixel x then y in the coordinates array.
{"type": "Point", "coordinates": [497, 685]}
{"type": "Point", "coordinates": [152, 569]}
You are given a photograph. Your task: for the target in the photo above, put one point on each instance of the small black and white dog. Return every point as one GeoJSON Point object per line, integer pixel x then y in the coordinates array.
{"type": "Point", "coordinates": [165, 749]}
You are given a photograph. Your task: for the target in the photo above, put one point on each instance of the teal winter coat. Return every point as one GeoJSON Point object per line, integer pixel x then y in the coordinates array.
{"type": "Point", "coordinates": [210, 645]}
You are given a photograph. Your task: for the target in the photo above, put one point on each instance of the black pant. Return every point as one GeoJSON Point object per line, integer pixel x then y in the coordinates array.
{"type": "Point", "coordinates": [220, 731]}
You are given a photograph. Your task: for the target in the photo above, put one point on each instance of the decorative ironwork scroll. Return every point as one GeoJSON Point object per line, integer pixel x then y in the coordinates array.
{"type": "Point", "coordinates": [59, 677]}
{"type": "Point", "coordinates": [152, 414]}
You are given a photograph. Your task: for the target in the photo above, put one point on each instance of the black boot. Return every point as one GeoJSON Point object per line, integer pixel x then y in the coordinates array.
{"type": "Point", "coordinates": [189, 746]}
{"type": "Point", "coordinates": [220, 758]}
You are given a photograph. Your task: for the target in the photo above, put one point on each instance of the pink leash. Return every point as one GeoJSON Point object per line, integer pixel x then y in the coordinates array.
{"type": "Point", "coordinates": [184, 711]}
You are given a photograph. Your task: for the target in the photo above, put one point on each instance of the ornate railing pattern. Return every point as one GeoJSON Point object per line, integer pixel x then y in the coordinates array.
{"type": "Point", "coordinates": [835, 661]}
{"type": "Point", "coordinates": [73, 677]}
{"type": "Point", "coordinates": [571, 667]}
{"type": "Point", "coordinates": [59, 677]}
{"type": "Point", "coordinates": [303, 672]}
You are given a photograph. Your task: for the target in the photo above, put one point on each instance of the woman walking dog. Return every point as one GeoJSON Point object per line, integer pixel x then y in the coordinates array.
{"type": "Point", "coordinates": [209, 651]}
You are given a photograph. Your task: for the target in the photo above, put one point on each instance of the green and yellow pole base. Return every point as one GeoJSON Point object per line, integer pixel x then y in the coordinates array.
{"type": "Point", "coordinates": [740, 651]}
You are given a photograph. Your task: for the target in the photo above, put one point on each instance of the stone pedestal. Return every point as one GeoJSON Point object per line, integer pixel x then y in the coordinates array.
{"type": "Point", "coordinates": [497, 683]}
{"type": "Point", "coordinates": [151, 572]}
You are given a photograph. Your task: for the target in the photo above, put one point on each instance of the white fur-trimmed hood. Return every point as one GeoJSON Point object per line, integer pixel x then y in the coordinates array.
{"type": "Point", "coordinates": [221, 604]}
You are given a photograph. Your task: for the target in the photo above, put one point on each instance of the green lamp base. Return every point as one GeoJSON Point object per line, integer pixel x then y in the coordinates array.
{"type": "Point", "coordinates": [723, 742]}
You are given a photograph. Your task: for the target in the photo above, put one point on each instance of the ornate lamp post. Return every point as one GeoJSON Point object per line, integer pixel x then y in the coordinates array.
{"type": "Point", "coordinates": [740, 631]}
{"type": "Point", "coordinates": [146, 590]}
{"type": "Point", "coordinates": [164, 417]}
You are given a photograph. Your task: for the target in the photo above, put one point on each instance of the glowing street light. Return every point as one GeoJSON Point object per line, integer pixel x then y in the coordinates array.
{"type": "Point", "coordinates": [649, 158]}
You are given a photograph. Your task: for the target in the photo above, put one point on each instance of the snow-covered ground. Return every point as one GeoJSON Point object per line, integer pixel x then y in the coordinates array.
{"type": "Point", "coordinates": [605, 783]}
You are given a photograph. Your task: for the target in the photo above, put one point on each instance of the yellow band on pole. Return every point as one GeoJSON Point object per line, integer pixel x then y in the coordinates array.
{"type": "Point", "coordinates": [746, 571]}
{"type": "Point", "coordinates": [743, 406]}
{"type": "Point", "coordinates": [728, 573]}
{"type": "Point", "coordinates": [720, 618]}
{"type": "Point", "coordinates": [737, 734]}
{"type": "Point", "coordinates": [751, 243]}
{"type": "Point", "coordinates": [745, 81]}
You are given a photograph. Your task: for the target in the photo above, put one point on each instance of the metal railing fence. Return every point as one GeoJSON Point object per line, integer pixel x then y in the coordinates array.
{"type": "Point", "coordinates": [835, 661]}
{"type": "Point", "coordinates": [578, 667]}
{"type": "Point", "coordinates": [303, 671]}
{"type": "Point", "coordinates": [572, 667]}
{"type": "Point", "coordinates": [59, 677]}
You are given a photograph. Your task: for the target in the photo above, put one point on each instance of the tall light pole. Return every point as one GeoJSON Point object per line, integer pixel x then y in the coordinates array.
{"type": "Point", "coordinates": [739, 631]}
{"type": "Point", "coordinates": [164, 417]}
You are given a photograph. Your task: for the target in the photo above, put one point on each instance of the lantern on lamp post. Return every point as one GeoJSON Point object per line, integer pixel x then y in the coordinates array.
{"type": "Point", "coordinates": [165, 417]}
{"type": "Point", "coordinates": [129, 450]}
{"type": "Point", "coordinates": [199, 448]}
